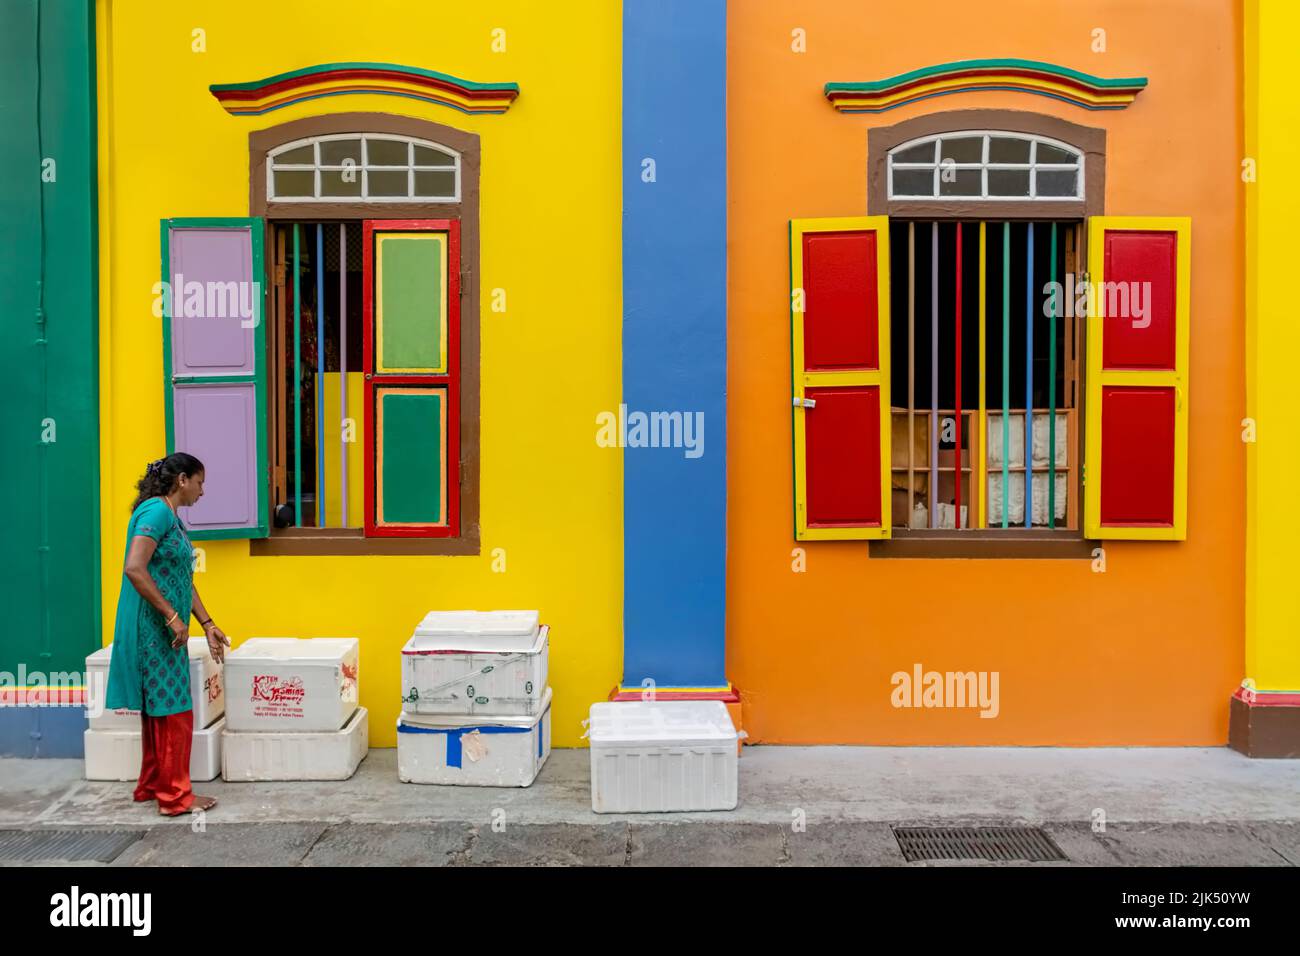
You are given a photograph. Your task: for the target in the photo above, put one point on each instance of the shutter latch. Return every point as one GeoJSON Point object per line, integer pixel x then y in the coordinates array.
{"type": "Point", "coordinates": [804, 402]}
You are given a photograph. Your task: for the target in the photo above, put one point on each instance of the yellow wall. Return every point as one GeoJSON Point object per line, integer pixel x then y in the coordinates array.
{"type": "Point", "coordinates": [550, 235]}
{"type": "Point", "coordinates": [1272, 343]}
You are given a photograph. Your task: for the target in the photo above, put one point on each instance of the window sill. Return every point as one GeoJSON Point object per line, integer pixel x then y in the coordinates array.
{"type": "Point", "coordinates": [352, 541]}
{"type": "Point", "coordinates": [984, 543]}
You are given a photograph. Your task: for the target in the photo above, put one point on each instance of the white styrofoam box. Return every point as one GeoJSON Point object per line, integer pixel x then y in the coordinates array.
{"type": "Point", "coordinates": [206, 690]}
{"type": "Point", "coordinates": [662, 756]}
{"type": "Point", "coordinates": [296, 755]}
{"type": "Point", "coordinates": [473, 752]}
{"type": "Point", "coordinates": [306, 685]}
{"type": "Point", "coordinates": [488, 680]}
{"type": "Point", "coordinates": [467, 630]}
{"type": "Point", "coordinates": [116, 754]}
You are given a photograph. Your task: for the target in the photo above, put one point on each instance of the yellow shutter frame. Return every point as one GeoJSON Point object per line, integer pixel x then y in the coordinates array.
{"type": "Point", "coordinates": [1097, 377]}
{"type": "Point", "coordinates": [803, 380]}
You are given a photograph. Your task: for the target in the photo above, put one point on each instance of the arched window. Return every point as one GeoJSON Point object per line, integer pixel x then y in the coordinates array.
{"type": "Point", "coordinates": [986, 165]}
{"type": "Point", "coordinates": [345, 198]}
{"type": "Point", "coordinates": [362, 167]}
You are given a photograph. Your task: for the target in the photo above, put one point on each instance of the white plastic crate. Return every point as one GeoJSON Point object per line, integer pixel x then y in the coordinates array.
{"type": "Point", "coordinates": [116, 754]}
{"type": "Point", "coordinates": [473, 752]}
{"type": "Point", "coordinates": [464, 630]}
{"type": "Point", "coordinates": [289, 684]}
{"type": "Point", "coordinates": [296, 755]}
{"type": "Point", "coordinates": [206, 690]}
{"type": "Point", "coordinates": [441, 676]}
{"type": "Point", "coordinates": [662, 756]}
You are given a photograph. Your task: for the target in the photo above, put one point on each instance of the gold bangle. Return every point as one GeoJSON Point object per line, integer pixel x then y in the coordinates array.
{"type": "Point", "coordinates": [175, 615]}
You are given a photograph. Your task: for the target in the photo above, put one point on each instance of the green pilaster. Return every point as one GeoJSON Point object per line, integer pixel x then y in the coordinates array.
{"type": "Point", "coordinates": [49, 433]}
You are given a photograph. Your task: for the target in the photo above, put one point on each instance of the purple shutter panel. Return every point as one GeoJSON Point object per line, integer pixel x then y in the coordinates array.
{"type": "Point", "coordinates": [212, 285]}
{"type": "Point", "coordinates": [215, 356]}
{"type": "Point", "coordinates": [218, 425]}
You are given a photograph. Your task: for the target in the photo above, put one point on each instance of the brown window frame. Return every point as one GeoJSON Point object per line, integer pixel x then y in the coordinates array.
{"type": "Point", "coordinates": [1091, 142]}
{"type": "Point", "coordinates": [352, 541]}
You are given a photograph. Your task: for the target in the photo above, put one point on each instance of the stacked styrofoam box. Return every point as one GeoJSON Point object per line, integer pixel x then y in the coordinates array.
{"type": "Point", "coordinates": [476, 710]}
{"type": "Point", "coordinates": [662, 756]}
{"type": "Point", "coordinates": [291, 710]}
{"type": "Point", "coordinates": [112, 740]}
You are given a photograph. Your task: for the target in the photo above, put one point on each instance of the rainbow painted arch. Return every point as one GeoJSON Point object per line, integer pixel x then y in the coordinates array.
{"type": "Point", "coordinates": [969, 76]}
{"type": "Point", "coordinates": [340, 79]}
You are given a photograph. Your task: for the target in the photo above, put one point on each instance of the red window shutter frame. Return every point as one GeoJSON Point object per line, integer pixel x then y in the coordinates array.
{"type": "Point", "coordinates": [1137, 389]}
{"type": "Point", "coordinates": [377, 380]}
{"type": "Point", "coordinates": [839, 303]}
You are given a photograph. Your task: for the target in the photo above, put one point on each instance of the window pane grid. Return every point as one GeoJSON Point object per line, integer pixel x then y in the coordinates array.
{"type": "Point", "coordinates": [403, 169]}
{"type": "Point", "coordinates": [1018, 169]}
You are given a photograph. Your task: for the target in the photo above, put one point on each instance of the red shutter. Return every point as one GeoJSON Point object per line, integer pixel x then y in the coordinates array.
{"type": "Point", "coordinates": [839, 272]}
{"type": "Point", "coordinates": [1136, 462]}
{"type": "Point", "coordinates": [411, 300]}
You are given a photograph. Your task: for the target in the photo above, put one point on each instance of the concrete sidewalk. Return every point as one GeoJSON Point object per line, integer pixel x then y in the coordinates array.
{"type": "Point", "coordinates": [1160, 806]}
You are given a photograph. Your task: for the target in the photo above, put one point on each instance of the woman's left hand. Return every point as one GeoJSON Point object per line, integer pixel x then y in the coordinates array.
{"type": "Point", "coordinates": [217, 642]}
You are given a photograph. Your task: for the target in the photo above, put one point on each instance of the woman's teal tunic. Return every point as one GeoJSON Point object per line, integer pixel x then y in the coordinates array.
{"type": "Point", "coordinates": [146, 672]}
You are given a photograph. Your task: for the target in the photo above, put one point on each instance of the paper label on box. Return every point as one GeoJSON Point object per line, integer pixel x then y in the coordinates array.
{"type": "Point", "coordinates": [276, 696]}
{"type": "Point", "coordinates": [212, 687]}
{"type": "Point", "coordinates": [473, 746]}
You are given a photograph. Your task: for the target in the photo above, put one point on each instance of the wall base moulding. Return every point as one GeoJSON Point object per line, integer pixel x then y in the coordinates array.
{"type": "Point", "coordinates": [1266, 726]}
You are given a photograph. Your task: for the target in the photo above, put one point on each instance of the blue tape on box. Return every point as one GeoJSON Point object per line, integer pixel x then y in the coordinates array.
{"type": "Point", "coordinates": [455, 733]}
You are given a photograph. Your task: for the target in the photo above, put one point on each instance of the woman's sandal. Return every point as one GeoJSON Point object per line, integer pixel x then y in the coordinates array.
{"type": "Point", "coordinates": [200, 803]}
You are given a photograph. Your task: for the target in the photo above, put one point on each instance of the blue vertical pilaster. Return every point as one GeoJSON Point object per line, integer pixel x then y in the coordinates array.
{"type": "Point", "coordinates": [675, 338]}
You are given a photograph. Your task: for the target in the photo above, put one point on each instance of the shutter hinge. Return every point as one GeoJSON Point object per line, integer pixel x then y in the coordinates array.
{"type": "Point", "coordinates": [804, 402]}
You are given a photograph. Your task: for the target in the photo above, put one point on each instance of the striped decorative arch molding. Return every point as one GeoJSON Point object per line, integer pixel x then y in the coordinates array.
{"type": "Point", "coordinates": [256, 97]}
{"type": "Point", "coordinates": [968, 76]}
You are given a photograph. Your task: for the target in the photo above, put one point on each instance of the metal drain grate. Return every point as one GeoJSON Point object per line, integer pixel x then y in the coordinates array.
{"type": "Point", "coordinates": [64, 845]}
{"type": "Point", "coordinates": [976, 843]}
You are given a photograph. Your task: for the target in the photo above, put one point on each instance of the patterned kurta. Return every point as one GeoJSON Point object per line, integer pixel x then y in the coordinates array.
{"type": "Point", "coordinates": [146, 672]}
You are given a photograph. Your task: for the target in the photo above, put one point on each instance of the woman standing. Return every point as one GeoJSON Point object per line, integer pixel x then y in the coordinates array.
{"type": "Point", "coordinates": [150, 667]}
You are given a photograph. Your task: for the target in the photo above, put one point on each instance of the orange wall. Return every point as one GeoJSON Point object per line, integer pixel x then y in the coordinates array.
{"type": "Point", "coordinates": [1144, 654]}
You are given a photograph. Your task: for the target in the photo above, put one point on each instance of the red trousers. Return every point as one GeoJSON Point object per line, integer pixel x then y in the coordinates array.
{"type": "Point", "coordinates": [165, 767]}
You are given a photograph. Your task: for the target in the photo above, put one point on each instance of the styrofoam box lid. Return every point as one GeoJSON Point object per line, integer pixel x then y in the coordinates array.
{"type": "Point", "coordinates": [487, 644]}
{"type": "Point", "coordinates": [478, 624]}
{"type": "Point", "coordinates": [666, 721]}
{"type": "Point", "coordinates": [331, 649]}
{"type": "Point", "coordinates": [103, 656]}
{"type": "Point", "coordinates": [475, 720]}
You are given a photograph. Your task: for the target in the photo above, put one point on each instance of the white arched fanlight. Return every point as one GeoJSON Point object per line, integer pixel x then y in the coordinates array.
{"type": "Point", "coordinates": [362, 167]}
{"type": "Point", "coordinates": [986, 165]}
